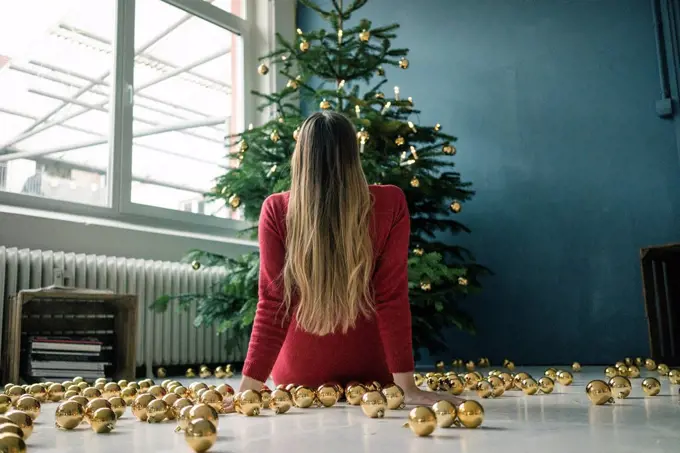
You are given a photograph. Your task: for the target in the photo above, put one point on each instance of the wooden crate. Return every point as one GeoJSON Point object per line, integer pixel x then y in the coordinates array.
{"type": "Point", "coordinates": [67, 311]}
{"type": "Point", "coordinates": [661, 290]}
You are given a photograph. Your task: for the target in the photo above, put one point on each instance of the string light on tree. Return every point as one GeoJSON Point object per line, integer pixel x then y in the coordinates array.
{"type": "Point", "coordinates": [437, 127]}
{"type": "Point", "coordinates": [365, 35]}
{"type": "Point", "coordinates": [380, 95]}
{"type": "Point", "coordinates": [412, 127]}
{"type": "Point", "coordinates": [425, 285]}
{"type": "Point", "coordinates": [396, 93]}
{"type": "Point", "coordinates": [340, 33]}
{"type": "Point", "coordinates": [357, 111]}
{"type": "Point", "coordinates": [341, 84]}
{"type": "Point", "coordinates": [413, 152]}
{"type": "Point", "coordinates": [415, 182]}
{"type": "Point", "coordinates": [418, 251]}
{"type": "Point", "coordinates": [362, 136]}
{"type": "Point", "coordinates": [387, 106]}
{"type": "Point", "coordinates": [292, 84]}
{"type": "Point", "coordinates": [462, 281]}
{"type": "Point", "coordinates": [456, 207]}
{"type": "Point", "coordinates": [399, 141]}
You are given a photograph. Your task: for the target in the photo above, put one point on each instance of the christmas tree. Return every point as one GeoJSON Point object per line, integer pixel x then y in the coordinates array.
{"type": "Point", "coordinates": [344, 68]}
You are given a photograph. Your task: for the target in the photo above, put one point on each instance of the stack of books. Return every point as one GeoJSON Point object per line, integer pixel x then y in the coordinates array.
{"type": "Point", "coordinates": [54, 358]}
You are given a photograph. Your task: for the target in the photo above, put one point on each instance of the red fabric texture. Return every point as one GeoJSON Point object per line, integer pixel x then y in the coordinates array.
{"type": "Point", "coordinates": [375, 348]}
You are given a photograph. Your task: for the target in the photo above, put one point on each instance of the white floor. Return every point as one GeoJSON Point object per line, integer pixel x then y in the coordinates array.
{"type": "Point", "coordinates": [563, 422]}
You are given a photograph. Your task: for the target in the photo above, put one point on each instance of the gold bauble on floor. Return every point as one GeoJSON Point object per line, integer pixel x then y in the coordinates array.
{"type": "Point", "coordinates": [470, 414]}
{"type": "Point", "coordinates": [519, 378]}
{"type": "Point", "coordinates": [212, 398]}
{"type": "Point", "coordinates": [633, 371]}
{"type": "Point", "coordinates": [29, 405]}
{"type": "Point", "coordinates": [674, 377]}
{"type": "Point", "coordinates": [651, 386]}
{"type": "Point", "coordinates": [394, 396]}
{"type": "Point", "coordinates": [15, 392]}
{"type": "Point", "coordinates": [5, 403]}
{"type": "Point", "coordinates": [55, 392]}
{"type": "Point", "coordinates": [484, 389]}
{"type": "Point", "coordinates": [663, 369]}
{"type": "Point", "coordinates": [599, 392]}
{"type": "Point", "coordinates": [12, 443]}
{"type": "Point", "coordinates": [206, 412]}
{"type": "Point", "coordinates": [38, 392]}
{"type": "Point", "coordinates": [80, 400]}
{"type": "Point", "coordinates": [610, 372]}
{"type": "Point", "coordinates": [445, 412]}
{"type": "Point", "coordinates": [498, 386]}
{"type": "Point", "coordinates": [326, 394]}
{"type": "Point", "coordinates": [281, 401]}
{"type": "Point", "coordinates": [103, 421]}
{"type": "Point", "coordinates": [139, 406]}
{"type": "Point", "coordinates": [303, 397]}
{"type": "Point", "coordinates": [93, 406]}
{"type": "Point", "coordinates": [118, 406]}
{"type": "Point", "coordinates": [374, 404]}
{"type": "Point", "coordinates": [422, 421]}
{"type": "Point", "coordinates": [529, 386]}
{"type": "Point", "coordinates": [110, 390]}
{"type": "Point", "coordinates": [508, 380]}
{"type": "Point", "coordinates": [650, 364]}
{"type": "Point", "coordinates": [11, 428]}
{"type": "Point", "coordinates": [23, 421]}
{"type": "Point", "coordinates": [354, 392]}
{"type": "Point", "coordinates": [91, 393]}
{"type": "Point", "coordinates": [546, 385]}
{"type": "Point", "coordinates": [620, 387]}
{"type": "Point", "coordinates": [576, 367]}
{"type": "Point", "coordinates": [200, 434]}
{"type": "Point", "coordinates": [156, 411]}
{"type": "Point", "coordinates": [565, 378]}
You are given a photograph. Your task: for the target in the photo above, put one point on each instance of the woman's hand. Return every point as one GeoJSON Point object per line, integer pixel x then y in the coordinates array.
{"type": "Point", "coordinates": [416, 397]}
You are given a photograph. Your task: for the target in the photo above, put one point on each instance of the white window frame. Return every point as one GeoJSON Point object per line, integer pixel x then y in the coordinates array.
{"type": "Point", "coordinates": [257, 30]}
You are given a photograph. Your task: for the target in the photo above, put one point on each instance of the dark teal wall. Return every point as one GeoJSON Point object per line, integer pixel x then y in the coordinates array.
{"type": "Point", "coordinates": [553, 102]}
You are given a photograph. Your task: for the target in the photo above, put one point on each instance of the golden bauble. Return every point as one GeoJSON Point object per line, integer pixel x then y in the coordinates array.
{"type": "Point", "coordinates": [200, 392]}
{"type": "Point", "coordinates": [91, 393]}
{"type": "Point", "coordinates": [156, 411]}
{"type": "Point", "coordinates": [5, 403]}
{"type": "Point", "coordinates": [445, 412]}
{"type": "Point", "coordinates": [628, 361]}
{"type": "Point", "coordinates": [470, 366]}
{"type": "Point", "coordinates": [111, 389]}
{"type": "Point", "coordinates": [178, 405]}
{"type": "Point", "coordinates": [639, 362]}
{"type": "Point", "coordinates": [498, 386]}
{"type": "Point", "coordinates": [484, 389]}
{"type": "Point", "coordinates": [55, 392]}
{"type": "Point", "coordinates": [94, 405]}
{"type": "Point", "coordinates": [326, 394]}
{"type": "Point", "coordinates": [576, 367]}
{"type": "Point", "coordinates": [456, 386]}
{"type": "Point", "coordinates": [128, 394]}
{"type": "Point", "coordinates": [399, 141]}
{"type": "Point", "coordinates": [200, 434]}
{"type": "Point", "coordinates": [213, 398]}
{"type": "Point", "coordinates": [225, 390]}
{"type": "Point", "coordinates": [70, 393]}
{"type": "Point", "coordinates": [422, 421]}
{"type": "Point", "coordinates": [674, 377]}
{"type": "Point", "coordinates": [139, 406]}
{"type": "Point", "coordinates": [622, 370]}
{"type": "Point", "coordinates": [519, 377]}
{"type": "Point", "coordinates": [419, 379]}
{"type": "Point", "coordinates": [394, 395]}
{"type": "Point", "coordinates": [610, 372]}
{"type": "Point", "coordinates": [182, 391]}
{"type": "Point", "coordinates": [133, 385]}
{"type": "Point", "coordinates": [456, 207]}
{"type": "Point", "coordinates": [29, 405]}
{"type": "Point", "coordinates": [507, 381]}
{"type": "Point", "coordinates": [12, 443]}
{"type": "Point", "coordinates": [432, 383]}
{"type": "Point", "coordinates": [415, 182]}
{"type": "Point", "coordinates": [38, 392]}
{"type": "Point", "coordinates": [565, 378]}
{"type": "Point", "coordinates": [663, 370]}
{"type": "Point", "coordinates": [103, 421]}
{"type": "Point", "coordinates": [304, 46]}
{"type": "Point", "coordinates": [220, 373]}
{"type": "Point", "coordinates": [619, 364]}
{"type": "Point", "coordinates": [8, 386]}
{"type": "Point", "coordinates": [195, 265]}
{"type": "Point", "coordinates": [263, 69]}
{"type": "Point", "coordinates": [118, 406]}
{"type": "Point", "coordinates": [80, 399]}
{"type": "Point", "coordinates": [374, 404]}
{"type": "Point", "coordinates": [599, 392]}
{"type": "Point", "coordinates": [78, 380]}
{"type": "Point", "coordinates": [546, 385]}
{"type": "Point", "coordinates": [303, 397]}
{"type": "Point", "coordinates": [418, 251]}
{"type": "Point", "coordinates": [470, 414]}
{"type": "Point", "coordinates": [291, 387]}
{"type": "Point", "coordinates": [281, 401]}
{"type": "Point", "coordinates": [249, 403]}
{"type": "Point", "coordinates": [23, 421]}
{"type": "Point", "coordinates": [551, 373]}
{"type": "Point", "coordinates": [633, 371]}
{"type": "Point", "coordinates": [403, 63]}
{"type": "Point", "coordinates": [275, 137]}
{"type": "Point", "coordinates": [204, 411]}
{"type": "Point", "coordinates": [123, 383]}
{"type": "Point", "coordinates": [651, 386]}
{"type": "Point", "coordinates": [161, 372]}
{"type": "Point", "coordinates": [10, 428]}
{"type": "Point", "coordinates": [157, 391]}
{"type": "Point", "coordinates": [444, 385]}
{"type": "Point", "coordinates": [620, 387]}
{"type": "Point", "coordinates": [324, 105]}
{"type": "Point", "coordinates": [354, 393]}
{"type": "Point", "coordinates": [99, 386]}
{"type": "Point", "coordinates": [529, 386]}
{"type": "Point", "coordinates": [234, 202]}
{"type": "Point", "coordinates": [426, 285]}
{"type": "Point", "coordinates": [471, 380]}
{"type": "Point", "coordinates": [266, 396]}
{"type": "Point", "coordinates": [364, 35]}
{"type": "Point", "coordinates": [83, 385]}
{"type": "Point", "coordinates": [650, 364]}
{"type": "Point", "coordinates": [190, 373]}
{"type": "Point", "coordinates": [15, 392]}
{"type": "Point", "coordinates": [183, 418]}
{"type": "Point", "coordinates": [449, 149]}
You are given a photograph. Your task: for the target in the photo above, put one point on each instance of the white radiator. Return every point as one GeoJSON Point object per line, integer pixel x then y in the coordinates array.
{"type": "Point", "coordinates": [168, 338]}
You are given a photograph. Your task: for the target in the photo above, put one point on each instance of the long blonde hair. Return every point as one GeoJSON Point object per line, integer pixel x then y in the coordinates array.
{"type": "Point", "coordinates": [329, 252]}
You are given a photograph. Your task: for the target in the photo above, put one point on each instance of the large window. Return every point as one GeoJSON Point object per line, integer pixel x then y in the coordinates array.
{"type": "Point", "coordinates": [78, 127]}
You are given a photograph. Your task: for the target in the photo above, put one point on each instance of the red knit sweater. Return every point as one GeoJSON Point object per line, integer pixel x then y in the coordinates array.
{"type": "Point", "coordinates": [375, 348]}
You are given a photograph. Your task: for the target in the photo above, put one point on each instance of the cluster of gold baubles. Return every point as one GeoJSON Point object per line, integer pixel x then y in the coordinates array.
{"type": "Point", "coordinates": [203, 372]}
{"type": "Point", "coordinates": [618, 384]}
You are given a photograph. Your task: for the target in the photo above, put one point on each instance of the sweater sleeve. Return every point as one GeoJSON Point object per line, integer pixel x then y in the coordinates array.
{"type": "Point", "coordinates": [271, 321]}
{"type": "Point", "coordinates": [391, 292]}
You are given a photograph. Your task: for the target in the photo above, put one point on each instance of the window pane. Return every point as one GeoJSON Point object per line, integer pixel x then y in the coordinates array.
{"type": "Point", "coordinates": [55, 58]}
{"type": "Point", "coordinates": [188, 99]}
{"type": "Point", "coordinates": [235, 7]}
